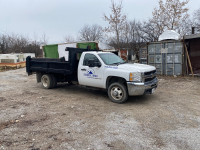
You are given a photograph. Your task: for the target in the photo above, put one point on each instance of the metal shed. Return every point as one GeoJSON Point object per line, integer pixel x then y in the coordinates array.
{"type": "Point", "coordinates": [167, 57]}
{"type": "Point", "coordinates": [174, 57]}
{"type": "Point", "coordinates": [193, 45]}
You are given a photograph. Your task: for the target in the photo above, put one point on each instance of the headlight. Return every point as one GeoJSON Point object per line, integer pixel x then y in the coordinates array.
{"type": "Point", "coordinates": [135, 76]}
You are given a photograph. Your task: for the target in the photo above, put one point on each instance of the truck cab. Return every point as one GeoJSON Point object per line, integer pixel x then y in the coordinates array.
{"type": "Point", "coordinates": [108, 71]}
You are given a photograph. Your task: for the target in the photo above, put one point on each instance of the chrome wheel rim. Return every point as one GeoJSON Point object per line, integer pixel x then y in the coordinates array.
{"type": "Point", "coordinates": [45, 81]}
{"type": "Point", "coordinates": [116, 93]}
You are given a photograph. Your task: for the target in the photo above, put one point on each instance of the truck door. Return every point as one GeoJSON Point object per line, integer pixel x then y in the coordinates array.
{"type": "Point", "coordinates": [90, 76]}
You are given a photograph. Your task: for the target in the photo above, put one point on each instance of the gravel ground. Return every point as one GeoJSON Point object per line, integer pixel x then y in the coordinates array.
{"type": "Point", "coordinates": [74, 117]}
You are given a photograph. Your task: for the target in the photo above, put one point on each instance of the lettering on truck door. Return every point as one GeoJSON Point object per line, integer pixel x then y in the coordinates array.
{"type": "Point", "coordinates": [91, 76]}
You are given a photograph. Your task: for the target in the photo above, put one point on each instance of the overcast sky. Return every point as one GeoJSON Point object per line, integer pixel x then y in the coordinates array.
{"type": "Point", "coordinates": [58, 18]}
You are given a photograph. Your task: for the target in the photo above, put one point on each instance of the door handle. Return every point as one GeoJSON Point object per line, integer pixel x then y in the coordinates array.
{"type": "Point", "coordinates": [83, 69]}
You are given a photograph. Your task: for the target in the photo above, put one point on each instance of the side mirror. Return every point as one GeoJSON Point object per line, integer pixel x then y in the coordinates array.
{"type": "Point", "coordinates": [97, 64]}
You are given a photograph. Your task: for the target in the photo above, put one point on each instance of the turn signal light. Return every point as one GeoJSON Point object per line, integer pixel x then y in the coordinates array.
{"type": "Point", "coordinates": [131, 77]}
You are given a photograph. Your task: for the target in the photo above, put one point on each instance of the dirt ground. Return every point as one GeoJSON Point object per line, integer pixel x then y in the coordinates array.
{"type": "Point", "coordinates": [74, 117]}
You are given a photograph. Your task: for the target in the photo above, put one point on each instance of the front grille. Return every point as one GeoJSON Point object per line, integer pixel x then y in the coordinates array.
{"type": "Point", "coordinates": [149, 73]}
{"type": "Point", "coordinates": [149, 79]}
{"type": "Point", "coordinates": [149, 76]}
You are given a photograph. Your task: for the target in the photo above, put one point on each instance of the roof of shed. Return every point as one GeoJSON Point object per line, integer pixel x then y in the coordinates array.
{"type": "Point", "coordinates": [192, 36]}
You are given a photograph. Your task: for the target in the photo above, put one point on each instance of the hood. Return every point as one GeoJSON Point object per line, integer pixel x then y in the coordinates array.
{"type": "Point", "coordinates": [136, 67]}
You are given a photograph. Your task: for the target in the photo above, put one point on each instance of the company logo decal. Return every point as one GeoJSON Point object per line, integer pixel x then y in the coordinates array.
{"type": "Point", "coordinates": [90, 71]}
{"type": "Point", "coordinates": [91, 74]}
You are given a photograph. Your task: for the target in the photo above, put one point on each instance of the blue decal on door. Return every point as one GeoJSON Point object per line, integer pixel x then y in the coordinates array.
{"type": "Point", "coordinates": [91, 74]}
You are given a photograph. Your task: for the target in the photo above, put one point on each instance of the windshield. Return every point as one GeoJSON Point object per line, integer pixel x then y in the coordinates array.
{"type": "Point", "coordinates": [111, 59]}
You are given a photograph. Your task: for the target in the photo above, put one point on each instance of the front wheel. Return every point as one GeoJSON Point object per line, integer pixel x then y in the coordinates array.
{"type": "Point", "coordinates": [117, 92]}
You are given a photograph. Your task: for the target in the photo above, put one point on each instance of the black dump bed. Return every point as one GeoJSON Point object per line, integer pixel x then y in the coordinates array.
{"type": "Point", "coordinates": [47, 65]}
{"type": "Point", "coordinates": [55, 66]}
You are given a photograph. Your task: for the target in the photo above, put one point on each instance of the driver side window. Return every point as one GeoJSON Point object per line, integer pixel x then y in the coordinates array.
{"type": "Point", "coordinates": [88, 57]}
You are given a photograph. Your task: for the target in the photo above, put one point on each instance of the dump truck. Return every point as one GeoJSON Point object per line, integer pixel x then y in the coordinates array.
{"type": "Point", "coordinates": [97, 69]}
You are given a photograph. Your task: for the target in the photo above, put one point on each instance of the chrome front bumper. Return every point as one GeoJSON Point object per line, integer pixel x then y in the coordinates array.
{"type": "Point", "coordinates": [142, 88]}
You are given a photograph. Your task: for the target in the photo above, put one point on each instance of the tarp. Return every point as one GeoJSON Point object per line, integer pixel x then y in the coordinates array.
{"type": "Point", "coordinates": [169, 35]}
{"type": "Point", "coordinates": [62, 52]}
{"type": "Point", "coordinates": [92, 45]}
{"type": "Point", "coordinates": [51, 51]}
{"type": "Point", "coordinates": [58, 50]}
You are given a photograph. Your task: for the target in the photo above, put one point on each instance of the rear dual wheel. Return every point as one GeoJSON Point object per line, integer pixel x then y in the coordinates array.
{"type": "Point", "coordinates": [48, 81]}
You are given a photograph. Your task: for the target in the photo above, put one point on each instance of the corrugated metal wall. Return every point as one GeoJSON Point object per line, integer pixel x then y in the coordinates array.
{"type": "Point", "coordinates": [143, 55]}
{"type": "Point", "coordinates": [167, 57]}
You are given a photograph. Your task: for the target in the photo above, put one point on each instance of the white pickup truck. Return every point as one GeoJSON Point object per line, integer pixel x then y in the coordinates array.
{"type": "Point", "coordinates": [96, 69]}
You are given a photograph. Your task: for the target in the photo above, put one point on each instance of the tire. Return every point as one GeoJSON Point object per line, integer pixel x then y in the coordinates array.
{"type": "Point", "coordinates": [54, 84]}
{"type": "Point", "coordinates": [117, 92]}
{"type": "Point", "coordinates": [38, 77]}
{"type": "Point", "coordinates": [47, 81]}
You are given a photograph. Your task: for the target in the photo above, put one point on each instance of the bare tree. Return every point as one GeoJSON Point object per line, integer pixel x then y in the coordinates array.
{"type": "Point", "coordinates": [117, 22]}
{"type": "Point", "coordinates": [150, 31]}
{"type": "Point", "coordinates": [185, 28]}
{"type": "Point", "coordinates": [196, 20]}
{"type": "Point", "coordinates": [91, 33]}
{"type": "Point", "coordinates": [3, 44]}
{"type": "Point", "coordinates": [44, 39]}
{"type": "Point", "coordinates": [171, 15]}
{"type": "Point", "coordinates": [131, 32]}
{"type": "Point", "coordinates": [131, 38]}
{"type": "Point", "coordinates": [14, 43]}
{"type": "Point", "coordinates": [69, 39]}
